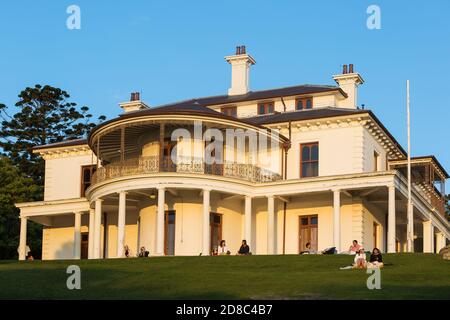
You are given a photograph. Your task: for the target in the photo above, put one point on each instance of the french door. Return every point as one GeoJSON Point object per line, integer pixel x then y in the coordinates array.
{"type": "Point", "coordinates": [169, 233]}
{"type": "Point", "coordinates": [308, 232]}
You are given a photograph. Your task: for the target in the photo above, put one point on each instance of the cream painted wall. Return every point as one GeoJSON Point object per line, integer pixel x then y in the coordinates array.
{"type": "Point", "coordinates": [339, 151]}
{"type": "Point", "coordinates": [58, 171]}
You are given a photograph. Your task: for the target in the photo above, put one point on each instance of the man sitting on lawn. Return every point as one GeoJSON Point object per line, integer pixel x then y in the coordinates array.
{"type": "Point", "coordinates": [354, 248]}
{"type": "Point", "coordinates": [244, 250]}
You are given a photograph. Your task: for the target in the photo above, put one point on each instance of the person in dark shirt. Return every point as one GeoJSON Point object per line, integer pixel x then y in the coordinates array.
{"type": "Point", "coordinates": [376, 259]}
{"type": "Point", "coordinates": [244, 250]}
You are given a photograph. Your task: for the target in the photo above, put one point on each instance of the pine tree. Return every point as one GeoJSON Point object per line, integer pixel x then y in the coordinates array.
{"type": "Point", "coordinates": [45, 116]}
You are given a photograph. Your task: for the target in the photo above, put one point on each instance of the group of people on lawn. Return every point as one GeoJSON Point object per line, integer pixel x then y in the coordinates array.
{"type": "Point", "coordinates": [222, 249]}
{"type": "Point", "coordinates": [360, 260]}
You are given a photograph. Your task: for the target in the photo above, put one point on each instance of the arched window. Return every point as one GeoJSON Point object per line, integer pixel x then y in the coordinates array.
{"type": "Point", "coordinates": [304, 103]}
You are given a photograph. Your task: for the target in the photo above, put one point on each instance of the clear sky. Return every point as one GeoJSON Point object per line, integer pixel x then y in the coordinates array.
{"type": "Point", "coordinates": [173, 50]}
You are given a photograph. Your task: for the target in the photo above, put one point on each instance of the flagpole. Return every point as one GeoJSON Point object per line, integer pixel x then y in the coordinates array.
{"type": "Point", "coordinates": [410, 226]}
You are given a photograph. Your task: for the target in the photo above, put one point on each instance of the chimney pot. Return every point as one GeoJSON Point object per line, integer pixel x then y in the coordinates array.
{"type": "Point", "coordinates": [132, 96]}
{"type": "Point", "coordinates": [351, 68]}
{"type": "Point", "coordinates": [344, 69]}
{"type": "Point", "coordinates": [137, 96]}
{"type": "Point", "coordinates": [238, 50]}
{"type": "Point", "coordinates": [242, 49]}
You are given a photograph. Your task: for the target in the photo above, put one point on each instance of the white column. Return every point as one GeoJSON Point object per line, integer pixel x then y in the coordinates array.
{"type": "Point", "coordinates": [391, 219]}
{"type": "Point", "coordinates": [270, 225]}
{"type": "Point", "coordinates": [206, 246]}
{"type": "Point", "coordinates": [160, 222]}
{"type": "Point", "coordinates": [248, 220]}
{"type": "Point", "coordinates": [428, 237]}
{"type": "Point", "coordinates": [121, 224]}
{"type": "Point", "coordinates": [23, 238]}
{"type": "Point", "coordinates": [337, 219]}
{"type": "Point", "coordinates": [77, 236]}
{"type": "Point", "coordinates": [97, 224]}
{"type": "Point", "coordinates": [91, 234]}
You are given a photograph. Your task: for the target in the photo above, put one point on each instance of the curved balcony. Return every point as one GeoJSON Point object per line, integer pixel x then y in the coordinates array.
{"type": "Point", "coordinates": [153, 165]}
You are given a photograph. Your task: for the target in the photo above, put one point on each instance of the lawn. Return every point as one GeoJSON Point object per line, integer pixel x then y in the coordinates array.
{"type": "Point", "coordinates": [410, 276]}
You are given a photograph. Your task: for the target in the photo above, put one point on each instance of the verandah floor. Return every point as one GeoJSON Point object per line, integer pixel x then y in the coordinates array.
{"type": "Point", "coordinates": [411, 276]}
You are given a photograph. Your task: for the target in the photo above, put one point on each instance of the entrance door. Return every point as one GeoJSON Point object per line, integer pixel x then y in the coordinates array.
{"type": "Point", "coordinates": [308, 231]}
{"type": "Point", "coordinates": [84, 245]}
{"type": "Point", "coordinates": [375, 235]}
{"type": "Point", "coordinates": [215, 230]}
{"type": "Point", "coordinates": [169, 236]}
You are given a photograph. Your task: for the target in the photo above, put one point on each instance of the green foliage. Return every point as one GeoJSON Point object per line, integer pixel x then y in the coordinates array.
{"type": "Point", "coordinates": [44, 116]}
{"type": "Point", "coordinates": [15, 187]}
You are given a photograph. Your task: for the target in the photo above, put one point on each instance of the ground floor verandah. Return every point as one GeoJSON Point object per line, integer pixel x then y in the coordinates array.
{"type": "Point", "coordinates": [191, 220]}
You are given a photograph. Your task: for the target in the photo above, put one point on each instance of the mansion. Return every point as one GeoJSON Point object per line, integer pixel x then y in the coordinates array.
{"type": "Point", "coordinates": [178, 178]}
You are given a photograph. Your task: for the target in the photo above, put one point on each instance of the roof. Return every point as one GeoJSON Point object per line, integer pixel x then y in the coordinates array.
{"type": "Point", "coordinates": [65, 143]}
{"type": "Point", "coordinates": [435, 160]}
{"type": "Point", "coordinates": [300, 115]}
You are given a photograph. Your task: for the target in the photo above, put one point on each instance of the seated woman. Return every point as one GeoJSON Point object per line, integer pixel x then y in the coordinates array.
{"type": "Point", "coordinates": [127, 251]}
{"type": "Point", "coordinates": [222, 249]}
{"type": "Point", "coordinates": [244, 250]}
{"type": "Point", "coordinates": [376, 260]}
{"type": "Point", "coordinates": [360, 261]}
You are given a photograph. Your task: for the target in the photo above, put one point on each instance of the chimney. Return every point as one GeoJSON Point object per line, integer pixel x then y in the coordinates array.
{"type": "Point", "coordinates": [135, 103]}
{"type": "Point", "coordinates": [349, 81]}
{"type": "Point", "coordinates": [240, 71]}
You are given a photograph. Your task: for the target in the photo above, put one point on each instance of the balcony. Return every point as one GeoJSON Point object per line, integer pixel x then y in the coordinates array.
{"type": "Point", "coordinates": [153, 164]}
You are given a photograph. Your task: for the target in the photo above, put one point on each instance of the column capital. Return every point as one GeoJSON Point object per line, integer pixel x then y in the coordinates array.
{"type": "Point", "coordinates": [390, 185]}
{"type": "Point", "coordinates": [122, 192]}
{"type": "Point", "coordinates": [336, 190]}
{"type": "Point", "coordinates": [78, 213]}
{"type": "Point", "coordinates": [99, 200]}
{"type": "Point", "coordinates": [271, 196]}
{"type": "Point", "coordinates": [160, 188]}
{"type": "Point", "coordinates": [23, 217]}
{"type": "Point", "coordinates": [247, 196]}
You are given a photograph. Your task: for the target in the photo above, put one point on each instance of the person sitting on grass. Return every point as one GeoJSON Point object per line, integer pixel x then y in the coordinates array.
{"type": "Point", "coordinates": [244, 250]}
{"type": "Point", "coordinates": [127, 251]}
{"type": "Point", "coordinates": [354, 248]}
{"type": "Point", "coordinates": [360, 261]}
{"type": "Point", "coordinates": [308, 249]}
{"type": "Point", "coordinates": [376, 260]}
{"type": "Point", "coordinates": [222, 250]}
{"type": "Point", "coordinates": [143, 253]}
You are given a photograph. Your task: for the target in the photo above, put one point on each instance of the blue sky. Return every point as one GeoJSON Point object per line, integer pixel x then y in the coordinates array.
{"type": "Point", "coordinates": [173, 50]}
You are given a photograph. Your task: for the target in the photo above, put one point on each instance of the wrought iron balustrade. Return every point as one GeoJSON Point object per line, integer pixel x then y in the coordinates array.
{"type": "Point", "coordinates": [153, 164]}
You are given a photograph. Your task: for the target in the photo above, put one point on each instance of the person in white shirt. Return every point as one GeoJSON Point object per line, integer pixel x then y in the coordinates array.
{"type": "Point", "coordinates": [222, 249]}
{"type": "Point", "coordinates": [360, 261]}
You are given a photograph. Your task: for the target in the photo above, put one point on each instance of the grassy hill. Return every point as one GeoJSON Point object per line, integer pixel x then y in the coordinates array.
{"type": "Point", "coordinates": [410, 276]}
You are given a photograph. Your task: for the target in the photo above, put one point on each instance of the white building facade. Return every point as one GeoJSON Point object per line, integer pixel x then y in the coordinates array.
{"type": "Point", "coordinates": [178, 178]}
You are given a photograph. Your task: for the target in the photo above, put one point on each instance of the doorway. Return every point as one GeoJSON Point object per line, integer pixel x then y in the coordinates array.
{"type": "Point", "coordinates": [169, 233]}
{"type": "Point", "coordinates": [215, 230]}
{"type": "Point", "coordinates": [308, 232]}
{"type": "Point", "coordinates": [84, 245]}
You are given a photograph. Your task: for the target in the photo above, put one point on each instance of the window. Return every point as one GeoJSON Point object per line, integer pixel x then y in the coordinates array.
{"type": "Point", "coordinates": [86, 177]}
{"type": "Point", "coordinates": [265, 107]}
{"type": "Point", "coordinates": [376, 158]}
{"type": "Point", "coordinates": [229, 111]}
{"type": "Point", "coordinates": [309, 160]}
{"type": "Point", "coordinates": [304, 103]}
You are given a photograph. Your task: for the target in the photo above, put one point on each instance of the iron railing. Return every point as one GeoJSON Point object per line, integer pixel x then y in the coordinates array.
{"type": "Point", "coordinates": [153, 164]}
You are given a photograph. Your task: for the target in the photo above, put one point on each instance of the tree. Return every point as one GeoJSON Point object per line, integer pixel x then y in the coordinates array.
{"type": "Point", "coordinates": [45, 116]}
{"type": "Point", "coordinates": [15, 187]}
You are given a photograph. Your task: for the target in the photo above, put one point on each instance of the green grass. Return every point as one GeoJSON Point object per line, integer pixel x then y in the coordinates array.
{"type": "Point", "coordinates": [411, 276]}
